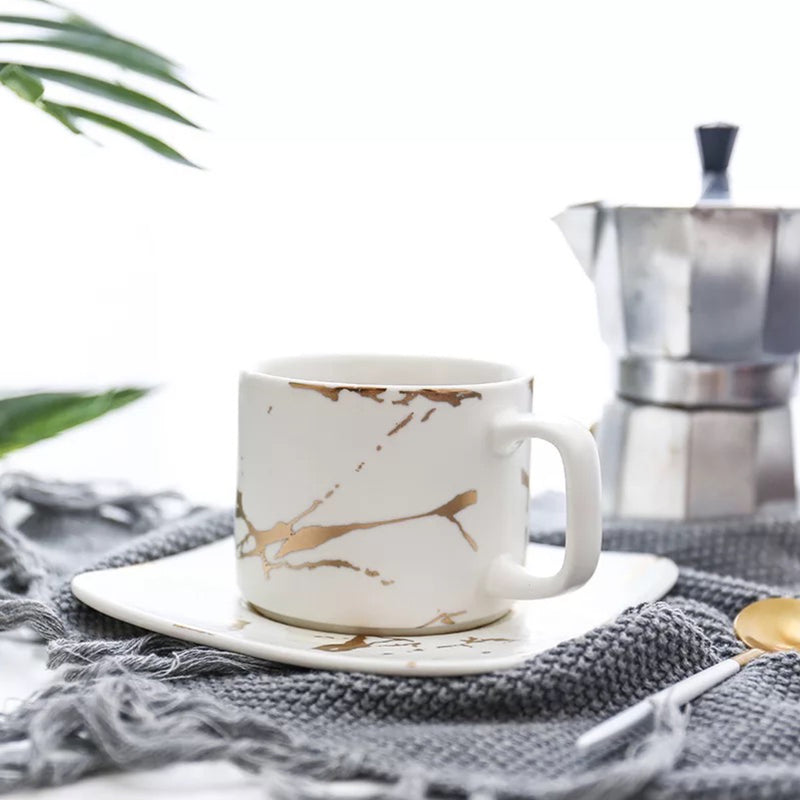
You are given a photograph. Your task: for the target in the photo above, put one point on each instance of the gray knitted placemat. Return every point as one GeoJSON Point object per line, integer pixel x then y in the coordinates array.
{"type": "Point", "coordinates": [125, 699]}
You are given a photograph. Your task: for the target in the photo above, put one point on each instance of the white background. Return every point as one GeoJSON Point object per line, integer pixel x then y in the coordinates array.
{"type": "Point", "coordinates": [380, 177]}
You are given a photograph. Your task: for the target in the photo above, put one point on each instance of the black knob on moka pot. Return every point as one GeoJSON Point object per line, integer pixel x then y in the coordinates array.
{"type": "Point", "coordinates": [716, 141]}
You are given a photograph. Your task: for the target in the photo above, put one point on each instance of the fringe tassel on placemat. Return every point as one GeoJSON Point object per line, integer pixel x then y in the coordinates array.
{"type": "Point", "coordinates": [124, 721]}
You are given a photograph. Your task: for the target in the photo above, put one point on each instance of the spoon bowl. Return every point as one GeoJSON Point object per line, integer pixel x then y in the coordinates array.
{"type": "Point", "coordinates": [772, 624]}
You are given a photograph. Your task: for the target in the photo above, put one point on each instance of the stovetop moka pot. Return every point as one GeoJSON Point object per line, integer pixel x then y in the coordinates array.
{"type": "Point", "coordinates": [700, 306]}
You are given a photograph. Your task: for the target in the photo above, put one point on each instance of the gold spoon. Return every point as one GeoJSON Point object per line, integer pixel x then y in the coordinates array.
{"type": "Point", "coordinates": [765, 626]}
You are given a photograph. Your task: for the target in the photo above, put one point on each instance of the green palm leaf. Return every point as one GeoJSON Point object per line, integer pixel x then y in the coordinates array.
{"type": "Point", "coordinates": [30, 418]}
{"type": "Point", "coordinates": [108, 90]}
{"type": "Point", "coordinates": [74, 34]}
{"type": "Point", "coordinates": [76, 24]}
{"type": "Point", "coordinates": [19, 80]}
{"type": "Point", "coordinates": [114, 51]}
{"type": "Point", "coordinates": [69, 115]}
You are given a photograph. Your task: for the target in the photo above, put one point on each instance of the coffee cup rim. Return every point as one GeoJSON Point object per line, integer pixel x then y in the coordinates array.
{"type": "Point", "coordinates": [311, 369]}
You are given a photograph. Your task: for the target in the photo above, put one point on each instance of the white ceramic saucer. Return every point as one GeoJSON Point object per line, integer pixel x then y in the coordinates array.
{"type": "Point", "coordinates": [193, 596]}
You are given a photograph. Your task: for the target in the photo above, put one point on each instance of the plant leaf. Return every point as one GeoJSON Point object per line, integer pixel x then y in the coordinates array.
{"type": "Point", "coordinates": [65, 114]}
{"type": "Point", "coordinates": [73, 33]}
{"type": "Point", "coordinates": [77, 24]}
{"type": "Point", "coordinates": [22, 82]}
{"type": "Point", "coordinates": [55, 111]}
{"type": "Point", "coordinates": [115, 51]}
{"type": "Point", "coordinates": [69, 24]}
{"type": "Point", "coordinates": [108, 90]}
{"type": "Point", "coordinates": [29, 418]}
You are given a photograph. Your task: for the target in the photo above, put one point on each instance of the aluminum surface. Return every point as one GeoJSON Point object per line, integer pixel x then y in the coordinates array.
{"type": "Point", "coordinates": [699, 303]}
{"type": "Point", "coordinates": [675, 463]}
{"type": "Point", "coordinates": [700, 384]}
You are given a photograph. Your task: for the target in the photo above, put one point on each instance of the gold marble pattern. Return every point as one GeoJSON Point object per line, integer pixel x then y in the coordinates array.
{"type": "Point", "coordinates": [453, 397]}
{"type": "Point", "coordinates": [190, 628]}
{"type": "Point", "coordinates": [312, 565]}
{"type": "Point", "coordinates": [309, 537]}
{"type": "Point", "coordinates": [443, 618]}
{"type": "Point", "coordinates": [403, 422]}
{"type": "Point", "coordinates": [290, 539]}
{"type": "Point", "coordinates": [356, 643]}
{"type": "Point", "coordinates": [468, 641]}
{"type": "Point", "coordinates": [333, 392]}
{"type": "Point", "coordinates": [359, 642]}
{"type": "Point", "coordinates": [363, 641]}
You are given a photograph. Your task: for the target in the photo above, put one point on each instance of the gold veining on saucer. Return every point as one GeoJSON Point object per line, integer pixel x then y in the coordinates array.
{"type": "Point", "coordinates": [356, 643]}
{"type": "Point", "coordinates": [468, 641]}
{"type": "Point", "coordinates": [428, 414]}
{"type": "Point", "coordinates": [190, 628]}
{"type": "Point", "coordinates": [525, 478]}
{"type": "Point", "coordinates": [359, 642]}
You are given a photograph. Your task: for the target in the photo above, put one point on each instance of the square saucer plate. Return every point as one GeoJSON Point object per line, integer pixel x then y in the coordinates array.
{"type": "Point", "coordinates": [193, 596]}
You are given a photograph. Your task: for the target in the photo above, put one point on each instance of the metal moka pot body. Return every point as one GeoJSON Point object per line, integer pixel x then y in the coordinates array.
{"type": "Point", "coordinates": [707, 283]}
{"type": "Point", "coordinates": [685, 463]}
{"type": "Point", "coordinates": [700, 307]}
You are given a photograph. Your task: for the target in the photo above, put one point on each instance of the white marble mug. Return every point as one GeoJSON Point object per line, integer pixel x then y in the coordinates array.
{"type": "Point", "coordinates": [389, 495]}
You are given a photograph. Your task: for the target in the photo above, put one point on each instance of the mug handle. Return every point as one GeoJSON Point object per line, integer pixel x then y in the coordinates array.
{"type": "Point", "coordinates": [575, 444]}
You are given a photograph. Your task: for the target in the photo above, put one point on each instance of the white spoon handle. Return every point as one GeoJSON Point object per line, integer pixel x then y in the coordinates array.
{"type": "Point", "coordinates": [679, 694]}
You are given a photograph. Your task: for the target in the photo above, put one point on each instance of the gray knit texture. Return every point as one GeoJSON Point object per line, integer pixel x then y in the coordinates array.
{"type": "Point", "coordinates": [124, 699]}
